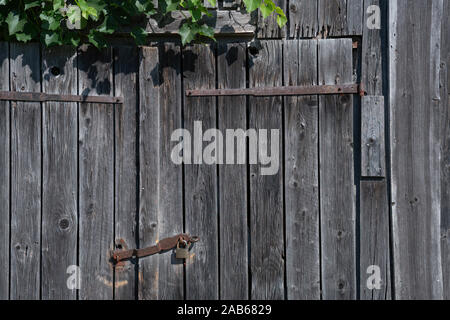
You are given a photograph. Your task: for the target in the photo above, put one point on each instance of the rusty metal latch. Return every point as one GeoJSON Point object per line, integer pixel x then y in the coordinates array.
{"type": "Point", "coordinates": [180, 242]}
{"type": "Point", "coordinates": [282, 91]}
{"type": "Point", "coordinates": [45, 97]}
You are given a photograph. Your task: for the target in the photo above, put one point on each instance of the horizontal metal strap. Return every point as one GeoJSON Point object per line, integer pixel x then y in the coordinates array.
{"type": "Point", "coordinates": [45, 97]}
{"type": "Point", "coordinates": [281, 91]}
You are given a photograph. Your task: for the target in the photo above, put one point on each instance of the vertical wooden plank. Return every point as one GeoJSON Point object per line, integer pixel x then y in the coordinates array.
{"type": "Point", "coordinates": [266, 191]}
{"type": "Point", "coordinates": [372, 54]}
{"type": "Point", "coordinates": [445, 157]}
{"type": "Point", "coordinates": [302, 173]}
{"type": "Point", "coordinates": [340, 17]}
{"type": "Point", "coordinates": [201, 180]}
{"type": "Point", "coordinates": [415, 147]}
{"type": "Point", "coordinates": [25, 174]}
{"type": "Point", "coordinates": [149, 140]}
{"type": "Point", "coordinates": [268, 28]}
{"type": "Point", "coordinates": [4, 172]}
{"type": "Point", "coordinates": [303, 19]}
{"type": "Point", "coordinates": [60, 176]}
{"type": "Point", "coordinates": [374, 246]}
{"type": "Point", "coordinates": [337, 198]}
{"type": "Point", "coordinates": [231, 70]}
{"type": "Point", "coordinates": [125, 83]}
{"type": "Point", "coordinates": [161, 212]}
{"type": "Point", "coordinates": [96, 174]}
{"type": "Point", "coordinates": [373, 154]}
{"type": "Point", "coordinates": [170, 215]}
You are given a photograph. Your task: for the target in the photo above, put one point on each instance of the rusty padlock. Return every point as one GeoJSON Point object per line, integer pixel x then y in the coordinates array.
{"type": "Point", "coordinates": [182, 252]}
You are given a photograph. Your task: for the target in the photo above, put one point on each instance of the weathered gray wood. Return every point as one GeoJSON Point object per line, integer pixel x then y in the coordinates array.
{"type": "Point", "coordinates": [4, 172]}
{"type": "Point", "coordinates": [268, 28]}
{"type": "Point", "coordinates": [170, 213]}
{"type": "Point", "coordinates": [230, 4]}
{"type": "Point", "coordinates": [340, 17]}
{"type": "Point", "coordinates": [149, 131]}
{"type": "Point", "coordinates": [415, 147]}
{"type": "Point", "coordinates": [302, 173]}
{"type": "Point", "coordinates": [374, 241]}
{"type": "Point", "coordinates": [161, 212]}
{"type": "Point", "coordinates": [337, 198]}
{"type": "Point", "coordinates": [125, 83]}
{"type": "Point", "coordinates": [201, 180]}
{"type": "Point", "coordinates": [445, 157]}
{"type": "Point", "coordinates": [372, 54]}
{"type": "Point", "coordinates": [60, 176]}
{"type": "Point", "coordinates": [25, 174]}
{"type": "Point", "coordinates": [303, 19]}
{"type": "Point", "coordinates": [373, 156]}
{"type": "Point", "coordinates": [223, 22]}
{"type": "Point", "coordinates": [266, 192]}
{"type": "Point", "coordinates": [96, 175]}
{"type": "Point", "coordinates": [233, 205]}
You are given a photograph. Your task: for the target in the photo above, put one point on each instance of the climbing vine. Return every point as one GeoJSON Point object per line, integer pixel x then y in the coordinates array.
{"type": "Point", "coordinates": [62, 22]}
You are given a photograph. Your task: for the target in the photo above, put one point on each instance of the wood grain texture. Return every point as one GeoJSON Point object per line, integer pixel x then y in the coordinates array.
{"type": "Point", "coordinates": [223, 21]}
{"type": "Point", "coordinates": [373, 148]}
{"type": "Point", "coordinates": [149, 131]}
{"type": "Point", "coordinates": [201, 180]}
{"type": "Point", "coordinates": [340, 17]}
{"type": "Point", "coordinates": [125, 83]}
{"type": "Point", "coordinates": [230, 4]}
{"type": "Point", "coordinates": [266, 192]}
{"type": "Point", "coordinates": [231, 69]}
{"type": "Point", "coordinates": [415, 144]}
{"type": "Point", "coordinates": [60, 174]}
{"type": "Point", "coordinates": [374, 241]}
{"type": "Point", "coordinates": [268, 27]}
{"type": "Point", "coordinates": [170, 213]}
{"type": "Point", "coordinates": [445, 157]}
{"type": "Point", "coordinates": [161, 213]}
{"type": "Point", "coordinates": [96, 175]}
{"type": "Point", "coordinates": [337, 198]}
{"type": "Point", "coordinates": [4, 172]}
{"type": "Point", "coordinates": [25, 174]}
{"type": "Point", "coordinates": [302, 173]}
{"type": "Point", "coordinates": [303, 19]}
{"type": "Point", "coordinates": [372, 53]}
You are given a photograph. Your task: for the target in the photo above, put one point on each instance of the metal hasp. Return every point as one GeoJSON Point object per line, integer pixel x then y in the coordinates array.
{"type": "Point", "coordinates": [282, 91]}
{"type": "Point", "coordinates": [45, 97]}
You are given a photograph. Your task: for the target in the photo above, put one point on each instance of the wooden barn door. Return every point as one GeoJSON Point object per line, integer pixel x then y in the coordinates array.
{"type": "Point", "coordinates": [81, 179]}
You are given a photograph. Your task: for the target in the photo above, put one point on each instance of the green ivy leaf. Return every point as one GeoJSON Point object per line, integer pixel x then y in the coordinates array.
{"type": "Point", "coordinates": [15, 23]}
{"type": "Point", "coordinates": [252, 5]}
{"type": "Point", "coordinates": [58, 4]}
{"type": "Point", "coordinates": [188, 32]}
{"type": "Point", "coordinates": [52, 39]}
{"type": "Point", "coordinates": [72, 38]}
{"type": "Point", "coordinates": [167, 6]}
{"type": "Point", "coordinates": [109, 25]}
{"type": "Point", "coordinates": [267, 8]}
{"type": "Point", "coordinates": [73, 14]}
{"type": "Point", "coordinates": [2, 2]}
{"type": "Point", "coordinates": [31, 4]}
{"type": "Point", "coordinates": [281, 18]}
{"type": "Point", "coordinates": [140, 35]}
{"type": "Point", "coordinates": [212, 2]}
{"type": "Point", "coordinates": [23, 37]}
{"type": "Point", "coordinates": [97, 39]}
{"type": "Point", "coordinates": [49, 22]}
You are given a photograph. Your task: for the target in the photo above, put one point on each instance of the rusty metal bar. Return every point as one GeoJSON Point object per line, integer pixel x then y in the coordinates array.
{"type": "Point", "coordinates": [45, 97]}
{"type": "Point", "coordinates": [281, 91]}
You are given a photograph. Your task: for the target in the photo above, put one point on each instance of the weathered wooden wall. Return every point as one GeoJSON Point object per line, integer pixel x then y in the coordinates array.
{"type": "Point", "coordinates": [362, 182]}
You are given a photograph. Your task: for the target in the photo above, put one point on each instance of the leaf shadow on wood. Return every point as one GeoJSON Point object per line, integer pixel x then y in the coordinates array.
{"type": "Point", "coordinates": [97, 65]}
